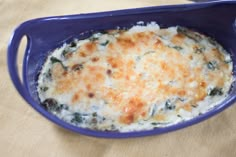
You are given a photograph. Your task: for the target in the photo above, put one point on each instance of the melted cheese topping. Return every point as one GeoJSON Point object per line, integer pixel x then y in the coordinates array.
{"type": "Point", "coordinates": [137, 79]}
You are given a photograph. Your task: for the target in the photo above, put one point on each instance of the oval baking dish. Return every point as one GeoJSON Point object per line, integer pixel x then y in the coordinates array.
{"type": "Point", "coordinates": [45, 34]}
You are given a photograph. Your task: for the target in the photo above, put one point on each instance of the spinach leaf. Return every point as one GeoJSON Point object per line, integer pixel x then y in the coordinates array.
{"type": "Point", "coordinates": [93, 38]}
{"type": "Point", "coordinates": [94, 114]}
{"type": "Point", "coordinates": [48, 74]}
{"type": "Point", "coordinates": [56, 60]}
{"type": "Point", "coordinates": [62, 106]}
{"type": "Point", "coordinates": [169, 105]}
{"type": "Point", "coordinates": [178, 48]}
{"type": "Point", "coordinates": [215, 91]}
{"type": "Point", "coordinates": [77, 118]}
{"type": "Point", "coordinates": [50, 104]}
{"type": "Point", "coordinates": [73, 44]}
{"type": "Point", "coordinates": [190, 34]}
{"type": "Point", "coordinates": [213, 42]}
{"type": "Point", "coordinates": [155, 123]}
{"type": "Point", "coordinates": [44, 89]}
{"type": "Point", "coordinates": [65, 52]}
{"type": "Point", "coordinates": [212, 65]}
{"type": "Point", "coordinates": [149, 52]}
{"type": "Point", "coordinates": [105, 43]}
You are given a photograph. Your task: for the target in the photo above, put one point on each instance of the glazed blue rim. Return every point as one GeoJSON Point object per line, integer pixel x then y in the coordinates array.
{"type": "Point", "coordinates": [22, 88]}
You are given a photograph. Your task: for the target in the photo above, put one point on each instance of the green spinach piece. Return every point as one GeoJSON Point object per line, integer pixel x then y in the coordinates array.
{"type": "Point", "coordinates": [178, 48]}
{"type": "Point", "coordinates": [50, 104]}
{"type": "Point", "coordinates": [73, 44]}
{"type": "Point", "coordinates": [48, 74]}
{"type": "Point", "coordinates": [93, 38]}
{"type": "Point", "coordinates": [64, 53]}
{"type": "Point", "coordinates": [77, 118]}
{"type": "Point", "coordinates": [215, 91]}
{"type": "Point", "coordinates": [212, 65]}
{"type": "Point", "coordinates": [105, 43]}
{"type": "Point", "coordinates": [94, 114]}
{"type": "Point", "coordinates": [169, 105]}
{"type": "Point", "coordinates": [189, 33]}
{"type": "Point", "coordinates": [56, 60]}
{"type": "Point", "coordinates": [149, 52]}
{"type": "Point", "coordinates": [44, 89]}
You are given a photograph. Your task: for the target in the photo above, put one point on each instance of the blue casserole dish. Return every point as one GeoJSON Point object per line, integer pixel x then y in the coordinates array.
{"type": "Point", "coordinates": [216, 19]}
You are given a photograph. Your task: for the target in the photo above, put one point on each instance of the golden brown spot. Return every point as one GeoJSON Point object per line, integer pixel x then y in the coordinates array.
{"type": "Point", "coordinates": [159, 117]}
{"type": "Point", "coordinates": [142, 37]}
{"type": "Point", "coordinates": [125, 42]}
{"type": "Point", "coordinates": [99, 76]}
{"type": "Point", "coordinates": [200, 94]}
{"type": "Point", "coordinates": [143, 114]}
{"type": "Point", "coordinates": [90, 95]}
{"type": "Point", "coordinates": [183, 69]}
{"type": "Point", "coordinates": [151, 33]}
{"type": "Point", "coordinates": [190, 57]}
{"type": "Point", "coordinates": [130, 63]}
{"type": "Point", "coordinates": [158, 44]}
{"type": "Point", "coordinates": [132, 110]}
{"type": "Point", "coordinates": [109, 71]}
{"type": "Point", "coordinates": [115, 62]}
{"type": "Point", "coordinates": [163, 65]}
{"type": "Point", "coordinates": [96, 71]}
{"type": "Point", "coordinates": [197, 70]}
{"type": "Point", "coordinates": [95, 59]}
{"type": "Point", "coordinates": [75, 97]}
{"type": "Point", "coordinates": [90, 47]}
{"type": "Point", "coordinates": [134, 104]}
{"type": "Point", "coordinates": [187, 107]}
{"type": "Point", "coordinates": [64, 73]}
{"type": "Point", "coordinates": [64, 85]}
{"type": "Point", "coordinates": [113, 96]}
{"type": "Point", "coordinates": [82, 54]}
{"type": "Point", "coordinates": [77, 67]}
{"type": "Point", "coordinates": [203, 84]}
{"type": "Point", "coordinates": [92, 69]}
{"type": "Point", "coordinates": [127, 119]}
{"type": "Point", "coordinates": [220, 82]}
{"type": "Point", "coordinates": [181, 92]}
{"type": "Point", "coordinates": [178, 39]}
{"type": "Point", "coordinates": [57, 71]}
{"type": "Point", "coordinates": [127, 77]}
{"type": "Point", "coordinates": [88, 86]}
{"type": "Point", "coordinates": [111, 47]}
{"type": "Point", "coordinates": [117, 75]}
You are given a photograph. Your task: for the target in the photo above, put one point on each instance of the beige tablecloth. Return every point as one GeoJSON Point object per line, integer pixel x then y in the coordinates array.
{"type": "Point", "coordinates": [23, 132]}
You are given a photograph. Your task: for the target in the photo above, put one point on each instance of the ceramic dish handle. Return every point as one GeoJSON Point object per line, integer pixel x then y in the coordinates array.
{"type": "Point", "coordinates": [12, 55]}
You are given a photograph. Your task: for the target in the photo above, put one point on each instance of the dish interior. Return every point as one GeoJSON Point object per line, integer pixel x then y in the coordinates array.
{"type": "Point", "coordinates": [136, 79]}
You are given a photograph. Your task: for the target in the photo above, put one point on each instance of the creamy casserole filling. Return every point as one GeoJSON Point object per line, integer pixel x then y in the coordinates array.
{"type": "Point", "coordinates": [135, 79]}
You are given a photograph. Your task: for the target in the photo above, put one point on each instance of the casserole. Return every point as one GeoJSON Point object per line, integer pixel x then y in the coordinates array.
{"type": "Point", "coordinates": [46, 34]}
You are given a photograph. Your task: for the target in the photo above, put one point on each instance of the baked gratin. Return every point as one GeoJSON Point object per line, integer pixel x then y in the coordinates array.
{"type": "Point", "coordinates": [136, 79]}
